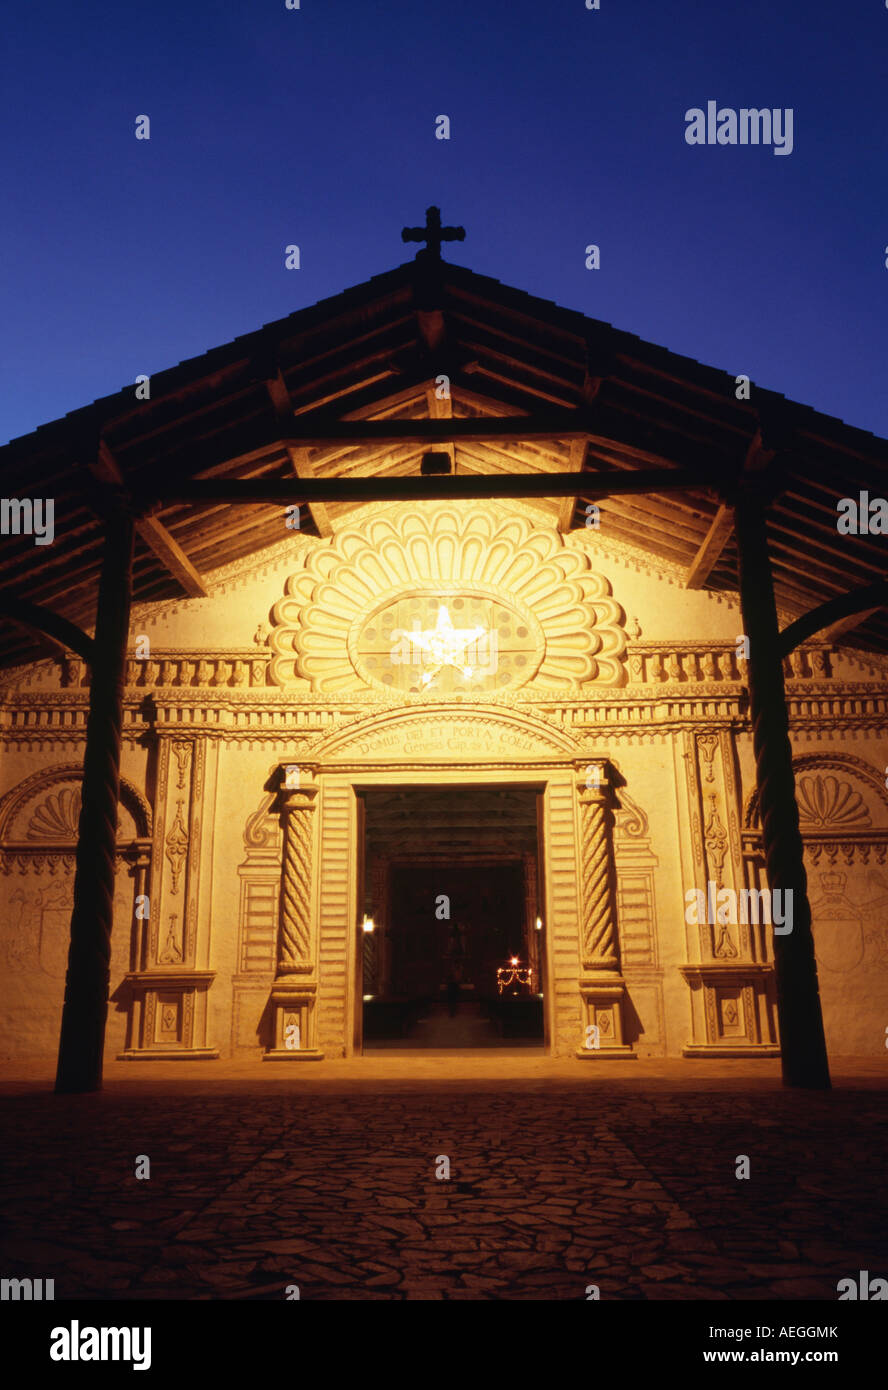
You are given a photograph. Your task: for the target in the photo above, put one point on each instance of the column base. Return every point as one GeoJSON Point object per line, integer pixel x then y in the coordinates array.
{"type": "Point", "coordinates": [604, 995]}
{"type": "Point", "coordinates": [731, 1010]}
{"type": "Point", "coordinates": [294, 1054]}
{"type": "Point", "coordinates": [169, 1054]}
{"type": "Point", "coordinates": [292, 1002]}
{"type": "Point", "coordinates": [622, 1053]}
{"type": "Point", "coordinates": [714, 1050]}
{"type": "Point", "coordinates": [168, 1015]}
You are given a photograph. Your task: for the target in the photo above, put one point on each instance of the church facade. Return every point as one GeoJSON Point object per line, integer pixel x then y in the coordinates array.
{"type": "Point", "coordinates": [258, 720]}
{"type": "Point", "coordinates": [351, 700]}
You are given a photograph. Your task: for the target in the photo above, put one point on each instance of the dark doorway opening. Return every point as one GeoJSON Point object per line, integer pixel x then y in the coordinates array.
{"type": "Point", "coordinates": [453, 952]}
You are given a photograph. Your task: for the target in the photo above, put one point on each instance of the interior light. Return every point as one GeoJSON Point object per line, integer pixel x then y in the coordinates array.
{"type": "Point", "coordinates": [539, 924]}
{"type": "Point", "coordinates": [368, 924]}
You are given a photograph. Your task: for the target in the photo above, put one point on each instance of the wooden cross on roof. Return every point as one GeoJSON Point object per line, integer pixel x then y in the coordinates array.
{"type": "Point", "coordinates": [432, 234]}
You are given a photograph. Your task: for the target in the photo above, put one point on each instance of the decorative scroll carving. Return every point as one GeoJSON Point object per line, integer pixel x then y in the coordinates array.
{"type": "Point", "coordinates": [716, 840]}
{"type": "Point", "coordinates": [172, 951]}
{"type": "Point", "coordinates": [725, 947]}
{"type": "Point", "coordinates": [707, 744]}
{"type": "Point", "coordinates": [182, 753]}
{"type": "Point", "coordinates": [629, 818]}
{"type": "Point", "coordinates": [177, 847]}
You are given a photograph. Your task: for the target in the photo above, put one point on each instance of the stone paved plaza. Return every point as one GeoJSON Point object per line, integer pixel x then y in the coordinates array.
{"type": "Point", "coordinates": [562, 1175]}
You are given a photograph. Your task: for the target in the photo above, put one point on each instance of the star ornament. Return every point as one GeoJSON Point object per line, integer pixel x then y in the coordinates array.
{"type": "Point", "coordinates": [444, 645]}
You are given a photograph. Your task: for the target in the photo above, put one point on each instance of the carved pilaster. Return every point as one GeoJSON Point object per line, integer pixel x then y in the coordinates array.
{"type": "Point", "coordinates": [602, 988]}
{"type": "Point", "coordinates": [294, 993]}
{"type": "Point", "coordinates": [295, 939]}
{"type": "Point", "coordinates": [599, 935]}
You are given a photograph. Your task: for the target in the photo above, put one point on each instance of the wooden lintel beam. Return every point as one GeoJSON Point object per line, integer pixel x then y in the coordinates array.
{"type": "Point", "coordinates": [62, 634]}
{"type": "Point", "coordinates": [709, 553]}
{"type": "Point", "coordinates": [514, 429]}
{"type": "Point", "coordinates": [172, 556]}
{"type": "Point", "coordinates": [447, 487]}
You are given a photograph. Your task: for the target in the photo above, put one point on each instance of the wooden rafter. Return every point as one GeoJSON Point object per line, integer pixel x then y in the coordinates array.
{"type": "Point", "coordinates": [709, 553]}
{"type": "Point", "coordinates": [171, 555]}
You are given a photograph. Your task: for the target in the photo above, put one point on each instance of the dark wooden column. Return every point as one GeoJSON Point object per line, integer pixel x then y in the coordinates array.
{"type": "Point", "coordinates": [803, 1045]}
{"type": "Point", "coordinates": [89, 957]}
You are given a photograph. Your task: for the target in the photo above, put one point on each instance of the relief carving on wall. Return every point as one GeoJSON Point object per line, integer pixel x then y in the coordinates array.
{"type": "Point", "coordinates": [827, 802]}
{"type": "Point", "coordinates": [554, 618]}
{"type": "Point", "coordinates": [716, 841]}
{"type": "Point", "coordinates": [56, 819]}
{"type": "Point", "coordinates": [177, 847]}
{"type": "Point", "coordinates": [172, 951]}
{"type": "Point", "coordinates": [843, 815]}
{"type": "Point", "coordinates": [36, 932]}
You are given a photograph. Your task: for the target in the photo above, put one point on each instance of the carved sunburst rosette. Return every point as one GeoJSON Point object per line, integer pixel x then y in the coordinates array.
{"type": "Point", "coordinates": [573, 627]}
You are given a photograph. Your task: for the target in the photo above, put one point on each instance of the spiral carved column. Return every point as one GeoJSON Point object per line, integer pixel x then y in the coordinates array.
{"type": "Point", "coordinates": [294, 942]}
{"type": "Point", "coordinates": [599, 920]}
{"type": "Point", "coordinates": [294, 992]}
{"type": "Point", "coordinates": [803, 1046]}
{"type": "Point", "coordinates": [602, 987]}
{"type": "Point", "coordinates": [82, 1038]}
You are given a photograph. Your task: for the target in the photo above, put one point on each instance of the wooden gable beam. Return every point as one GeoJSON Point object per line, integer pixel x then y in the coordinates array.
{"type": "Point", "coordinates": [836, 631]}
{"type": "Point", "coordinates": [709, 553]}
{"type": "Point", "coordinates": [300, 460]}
{"type": "Point", "coordinates": [575, 462]}
{"type": "Point", "coordinates": [862, 602]}
{"type": "Point", "coordinates": [58, 632]}
{"type": "Point", "coordinates": [152, 531]}
{"type": "Point", "coordinates": [771, 437]}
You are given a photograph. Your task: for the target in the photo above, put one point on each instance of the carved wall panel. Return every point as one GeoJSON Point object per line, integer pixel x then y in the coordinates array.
{"type": "Point", "coordinates": [843, 815]}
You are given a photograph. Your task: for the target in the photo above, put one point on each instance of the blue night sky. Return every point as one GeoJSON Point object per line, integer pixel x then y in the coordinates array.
{"type": "Point", "coordinates": [317, 126]}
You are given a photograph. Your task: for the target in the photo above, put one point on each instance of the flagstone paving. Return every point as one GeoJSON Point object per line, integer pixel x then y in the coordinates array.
{"type": "Point", "coordinates": [559, 1179]}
